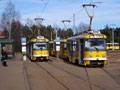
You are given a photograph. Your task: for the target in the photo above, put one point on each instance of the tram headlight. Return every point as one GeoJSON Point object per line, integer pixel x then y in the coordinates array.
{"type": "Point", "coordinates": [91, 56]}
{"type": "Point", "coordinates": [103, 56]}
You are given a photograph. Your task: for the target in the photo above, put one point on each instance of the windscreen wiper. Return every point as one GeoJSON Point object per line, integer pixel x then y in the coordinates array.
{"type": "Point", "coordinates": [96, 48]}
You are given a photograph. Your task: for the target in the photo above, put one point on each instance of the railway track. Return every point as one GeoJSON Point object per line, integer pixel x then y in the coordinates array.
{"type": "Point", "coordinates": [27, 83]}
{"type": "Point", "coordinates": [76, 76]}
{"type": "Point", "coordinates": [52, 62]}
{"type": "Point", "coordinates": [52, 76]}
{"type": "Point", "coordinates": [110, 75]}
{"type": "Point", "coordinates": [88, 79]}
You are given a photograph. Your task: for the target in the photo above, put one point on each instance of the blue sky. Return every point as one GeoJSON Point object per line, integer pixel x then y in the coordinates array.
{"type": "Point", "coordinates": [107, 12]}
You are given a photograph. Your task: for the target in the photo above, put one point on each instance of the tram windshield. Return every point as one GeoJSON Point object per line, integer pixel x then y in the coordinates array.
{"type": "Point", "coordinates": [38, 46]}
{"type": "Point", "coordinates": [95, 44]}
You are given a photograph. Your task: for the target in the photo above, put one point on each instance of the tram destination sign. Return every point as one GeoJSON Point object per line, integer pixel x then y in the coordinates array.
{"type": "Point", "coordinates": [41, 41]}
{"type": "Point", "coordinates": [96, 36]}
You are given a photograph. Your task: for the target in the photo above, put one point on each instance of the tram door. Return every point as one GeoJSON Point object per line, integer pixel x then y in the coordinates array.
{"type": "Point", "coordinates": [61, 50]}
{"type": "Point", "coordinates": [81, 49]}
{"type": "Point", "coordinates": [31, 51]}
{"type": "Point", "coordinates": [74, 48]}
{"type": "Point", "coordinates": [71, 51]}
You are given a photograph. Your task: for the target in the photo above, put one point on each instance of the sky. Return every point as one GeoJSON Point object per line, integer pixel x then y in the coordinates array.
{"type": "Point", "coordinates": [106, 13]}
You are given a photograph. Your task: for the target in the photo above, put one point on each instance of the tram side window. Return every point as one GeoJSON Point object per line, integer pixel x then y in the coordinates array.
{"type": "Point", "coordinates": [68, 46]}
{"type": "Point", "coordinates": [108, 45]}
{"type": "Point", "coordinates": [51, 46]}
{"type": "Point", "coordinates": [74, 45]}
{"type": "Point", "coordinates": [71, 46]}
{"type": "Point", "coordinates": [77, 48]}
{"type": "Point", "coordinates": [82, 45]}
{"type": "Point", "coordinates": [65, 46]}
{"type": "Point", "coordinates": [116, 44]}
{"type": "Point", "coordinates": [40, 46]}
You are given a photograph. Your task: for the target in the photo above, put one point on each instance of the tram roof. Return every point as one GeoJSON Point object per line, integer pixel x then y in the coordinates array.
{"type": "Point", "coordinates": [38, 38]}
{"type": "Point", "coordinates": [88, 34]}
{"type": "Point", "coordinates": [112, 43]}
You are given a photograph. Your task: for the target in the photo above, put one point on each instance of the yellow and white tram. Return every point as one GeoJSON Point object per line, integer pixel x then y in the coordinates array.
{"type": "Point", "coordinates": [37, 49]}
{"type": "Point", "coordinates": [88, 48]}
{"type": "Point", "coordinates": [115, 46]}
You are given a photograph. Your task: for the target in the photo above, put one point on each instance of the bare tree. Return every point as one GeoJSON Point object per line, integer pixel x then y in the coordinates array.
{"type": "Point", "coordinates": [9, 16]}
{"type": "Point", "coordinates": [82, 27]}
{"type": "Point", "coordinates": [29, 22]}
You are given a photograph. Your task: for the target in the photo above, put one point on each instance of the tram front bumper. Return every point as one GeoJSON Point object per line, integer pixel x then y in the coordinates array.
{"type": "Point", "coordinates": [95, 61]}
{"type": "Point", "coordinates": [40, 57]}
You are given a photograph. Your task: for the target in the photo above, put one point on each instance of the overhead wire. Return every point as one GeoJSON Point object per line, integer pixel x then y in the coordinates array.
{"type": "Point", "coordinates": [110, 2]}
{"type": "Point", "coordinates": [76, 13]}
{"type": "Point", "coordinates": [46, 3]}
{"type": "Point", "coordinates": [91, 1]}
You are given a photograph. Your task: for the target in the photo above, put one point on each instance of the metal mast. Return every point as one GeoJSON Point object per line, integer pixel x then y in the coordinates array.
{"type": "Point", "coordinates": [39, 23]}
{"type": "Point", "coordinates": [74, 30]}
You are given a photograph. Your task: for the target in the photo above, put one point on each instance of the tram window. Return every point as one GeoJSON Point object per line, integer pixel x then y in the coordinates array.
{"type": "Point", "coordinates": [77, 48]}
{"type": "Point", "coordinates": [65, 45]}
{"type": "Point", "coordinates": [109, 45]}
{"type": "Point", "coordinates": [116, 44]}
{"type": "Point", "coordinates": [94, 44]}
{"type": "Point", "coordinates": [74, 45]}
{"type": "Point", "coordinates": [40, 46]}
{"type": "Point", "coordinates": [68, 46]}
{"type": "Point", "coordinates": [71, 49]}
{"type": "Point", "coordinates": [51, 46]}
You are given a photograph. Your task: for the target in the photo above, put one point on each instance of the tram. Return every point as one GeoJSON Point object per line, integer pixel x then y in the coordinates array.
{"type": "Point", "coordinates": [86, 49]}
{"type": "Point", "coordinates": [52, 48]}
{"type": "Point", "coordinates": [64, 50]}
{"type": "Point", "coordinates": [37, 49]}
{"type": "Point", "coordinates": [110, 46]}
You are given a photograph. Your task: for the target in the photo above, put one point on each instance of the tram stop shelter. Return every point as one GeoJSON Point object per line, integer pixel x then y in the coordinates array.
{"type": "Point", "coordinates": [10, 47]}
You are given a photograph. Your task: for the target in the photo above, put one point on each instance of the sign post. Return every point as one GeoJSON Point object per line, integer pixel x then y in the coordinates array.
{"type": "Point", "coordinates": [58, 46]}
{"type": "Point", "coordinates": [23, 40]}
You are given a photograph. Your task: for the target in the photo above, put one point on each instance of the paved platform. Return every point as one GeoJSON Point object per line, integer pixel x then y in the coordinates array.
{"type": "Point", "coordinates": [12, 76]}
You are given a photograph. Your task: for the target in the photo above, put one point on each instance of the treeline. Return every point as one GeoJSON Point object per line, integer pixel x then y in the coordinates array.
{"type": "Point", "coordinates": [108, 32]}
{"type": "Point", "coordinates": [47, 31]}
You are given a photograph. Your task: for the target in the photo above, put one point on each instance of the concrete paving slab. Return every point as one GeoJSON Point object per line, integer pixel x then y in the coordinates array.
{"type": "Point", "coordinates": [12, 76]}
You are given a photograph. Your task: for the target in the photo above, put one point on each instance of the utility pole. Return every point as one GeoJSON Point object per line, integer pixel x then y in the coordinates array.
{"type": "Point", "coordinates": [112, 37]}
{"type": "Point", "coordinates": [10, 28]}
{"type": "Point", "coordinates": [10, 25]}
{"type": "Point", "coordinates": [56, 33]}
{"type": "Point", "coordinates": [51, 35]}
{"type": "Point", "coordinates": [74, 30]}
